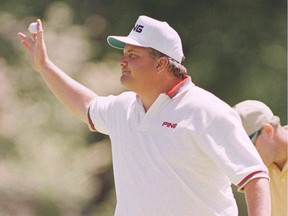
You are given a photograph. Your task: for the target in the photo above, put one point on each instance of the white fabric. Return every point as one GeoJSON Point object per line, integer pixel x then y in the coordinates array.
{"type": "Point", "coordinates": [148, 32]}
{"type": "Point", "coordinates": [180, 157]}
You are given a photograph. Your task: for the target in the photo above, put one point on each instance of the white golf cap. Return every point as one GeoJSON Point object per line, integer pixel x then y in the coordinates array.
{"type": "Point", "coordinates": [254, 114]}
{"type": "Point", "coordinates": [149, 32]}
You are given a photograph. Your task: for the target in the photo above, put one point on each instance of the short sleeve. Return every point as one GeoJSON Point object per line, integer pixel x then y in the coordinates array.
{"type": "Point", "coordinates": [97, 114]}
{"type": "Point", "coordinates": [226, 142]}
{"type": "Point", "coordinates": [104, 112]}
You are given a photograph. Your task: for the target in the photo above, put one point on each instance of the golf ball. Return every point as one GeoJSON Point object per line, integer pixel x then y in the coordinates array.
{"type": "Point", "coordinates": [33, 28]}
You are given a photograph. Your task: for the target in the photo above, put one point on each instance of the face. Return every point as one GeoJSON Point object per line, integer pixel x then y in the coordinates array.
{"type": "Point", "coordinates": [138, 68]}
{"type": "Point", "coordinates": [264, 145]}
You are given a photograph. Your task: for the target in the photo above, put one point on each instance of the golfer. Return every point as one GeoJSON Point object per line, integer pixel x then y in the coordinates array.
{"type": "Point", "coordinates": [176, 148]}
{"type": "Point", "coordinates": [271, 141]}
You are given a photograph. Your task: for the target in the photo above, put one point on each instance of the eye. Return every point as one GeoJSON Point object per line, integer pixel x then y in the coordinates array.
{"type": "Point", "coordinates": [131, 55]}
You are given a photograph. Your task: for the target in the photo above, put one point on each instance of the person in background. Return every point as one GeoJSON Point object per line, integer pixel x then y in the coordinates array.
{"type": "Point", "coordinates": [271, 141]}
{"type": "Point", "coordinates": [176, 148]}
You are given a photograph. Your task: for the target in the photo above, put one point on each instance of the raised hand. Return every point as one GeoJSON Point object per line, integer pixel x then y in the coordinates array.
{"type": "Point", "coordinates": [36, 47]}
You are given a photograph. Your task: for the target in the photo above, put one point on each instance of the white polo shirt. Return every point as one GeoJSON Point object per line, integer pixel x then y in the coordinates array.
{"type": "Point", "coordinates": [180, 157]}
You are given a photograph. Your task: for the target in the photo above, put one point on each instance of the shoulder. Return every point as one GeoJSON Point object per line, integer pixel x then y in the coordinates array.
{"type": "Point", "coordinates": [128, 95]}
{"type": "Point", "coordinates": [113, 101]}
{"type": "Point", "coordinates": [204, 100]}
{"type": "Point", "coordinates": [207, 109]}
{"type": "Point", "coordinates": [125, 98]}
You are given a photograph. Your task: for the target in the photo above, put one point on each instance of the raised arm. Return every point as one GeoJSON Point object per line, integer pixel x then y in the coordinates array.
{"type": "Point", "coordinates": [257, 196]}
{"type": "Point", "coordinates": [73, 95]}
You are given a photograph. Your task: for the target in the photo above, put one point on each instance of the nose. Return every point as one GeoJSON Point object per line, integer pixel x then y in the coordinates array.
{"type": "Point", "coordinates": [122, 61]}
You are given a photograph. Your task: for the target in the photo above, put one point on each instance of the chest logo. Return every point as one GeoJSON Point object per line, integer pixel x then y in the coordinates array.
{"type": "Point", "coordinates": [169, 124]}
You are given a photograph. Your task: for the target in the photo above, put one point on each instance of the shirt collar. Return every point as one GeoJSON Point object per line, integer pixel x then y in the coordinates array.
{"type": "Point", "coordinates": [275, 167]}
{"type": "Point", "coordinates": [183, 86]}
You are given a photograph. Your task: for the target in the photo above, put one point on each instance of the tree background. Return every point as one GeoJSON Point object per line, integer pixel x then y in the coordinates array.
{"type": "Point", "coordinates": [50, 163]}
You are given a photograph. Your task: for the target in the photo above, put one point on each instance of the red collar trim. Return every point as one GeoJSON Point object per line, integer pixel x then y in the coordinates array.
{"type": "Point", "coordinates": [172, 92]}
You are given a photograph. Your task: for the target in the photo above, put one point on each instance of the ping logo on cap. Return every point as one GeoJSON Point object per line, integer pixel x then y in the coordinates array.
{"type": "Point", "coordinates": [148, 32]}
{"type": "Point", "coordinates": [138, 28]}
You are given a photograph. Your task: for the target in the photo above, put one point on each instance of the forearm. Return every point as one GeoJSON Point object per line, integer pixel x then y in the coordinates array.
{"type": "Point", "coordinates": [257, 196]}
{"type": "Point", "coordinates": [73, 95]}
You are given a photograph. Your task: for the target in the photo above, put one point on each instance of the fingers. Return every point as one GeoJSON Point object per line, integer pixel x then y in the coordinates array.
{"type": "Point", "coordinates": [38, 37]}
{"type": "Point", "coordinates": [26, 41]}
{"type": "Point", "coordinates": [39, 25]}
{"type": "Point", "coordinates": [39, 30]}
{"type": "Point", "coordinates": [35, 45]}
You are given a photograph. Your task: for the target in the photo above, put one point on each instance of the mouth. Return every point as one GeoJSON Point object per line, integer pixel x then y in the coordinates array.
{"type": "Point", "coordinates": [125, 72]}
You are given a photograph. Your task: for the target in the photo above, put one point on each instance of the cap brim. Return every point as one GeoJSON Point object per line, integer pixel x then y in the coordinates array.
{"type": "Point", "coordinates": [119, 42]}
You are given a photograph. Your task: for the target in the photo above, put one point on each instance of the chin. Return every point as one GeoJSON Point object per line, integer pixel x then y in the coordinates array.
{"type": "Point", "coordinates": [124, 81]}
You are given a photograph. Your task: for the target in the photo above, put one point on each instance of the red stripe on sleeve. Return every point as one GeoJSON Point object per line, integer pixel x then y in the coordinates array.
{"type": "Point", "coordinates": [250, 177]}
{"type": "Point", "coordinates": [90, 121]}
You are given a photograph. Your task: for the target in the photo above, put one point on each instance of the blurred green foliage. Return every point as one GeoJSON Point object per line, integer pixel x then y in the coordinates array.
{"type": "Point", "coordinates": [50, 164]}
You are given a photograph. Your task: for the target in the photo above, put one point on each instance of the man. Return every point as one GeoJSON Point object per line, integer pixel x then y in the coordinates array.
{"type": "Point", "coordinates": [270, 139]}
{"type": "Point", "coordinates": [176, 148]}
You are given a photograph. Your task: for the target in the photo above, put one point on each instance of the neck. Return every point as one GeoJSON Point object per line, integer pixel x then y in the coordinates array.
{"type": "Point", "coordinates": [282, 150]}
{"type": "Point", "coordinates": [162, 86]}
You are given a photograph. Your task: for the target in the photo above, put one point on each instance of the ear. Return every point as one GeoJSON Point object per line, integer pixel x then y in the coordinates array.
{"type": "Point", "coordinates": [162, 63]}
{"type": "Point", "coordinates": [268, 129]}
